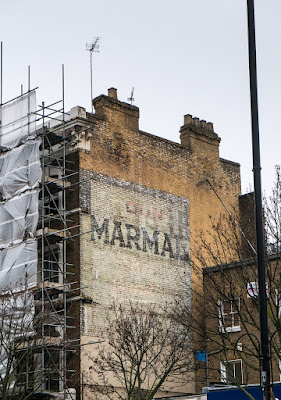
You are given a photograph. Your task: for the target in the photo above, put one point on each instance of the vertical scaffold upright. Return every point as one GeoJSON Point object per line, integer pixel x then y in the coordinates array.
{"type": "Point", "coordinates": [56, 286]}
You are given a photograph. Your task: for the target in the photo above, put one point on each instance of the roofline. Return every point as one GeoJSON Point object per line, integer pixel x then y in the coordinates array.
{"type": "Point", "coordinates": [230, 162]}
{"type": "Point", "coordinates": [236, 264]}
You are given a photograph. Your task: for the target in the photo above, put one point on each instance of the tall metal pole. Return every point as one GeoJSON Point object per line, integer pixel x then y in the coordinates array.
{"type": "Point", "coordinates": [1, 75]}
{"type": "Point", "coordinates": [28, 85]}
{"type": "Point", "coordinates": [64, 244]}
{"type": "Point", "coordinates": [265, 373]}
{"type": "Point", "coordinates": [91, 69]}
{"type": "Point", "coordinates": [92, 47]}
{"type": "Point", "coordinates": [28, 78]}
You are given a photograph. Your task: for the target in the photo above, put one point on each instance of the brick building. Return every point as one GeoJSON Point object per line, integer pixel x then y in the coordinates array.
{"type": "Point", "coordinates": [134, 185]}
{"type": "Point", "coordinates": [123, 219]}
{"type": "Point", "coordinates": [231, 301]}
{"type": "Point", "coordinates": [232, 321]}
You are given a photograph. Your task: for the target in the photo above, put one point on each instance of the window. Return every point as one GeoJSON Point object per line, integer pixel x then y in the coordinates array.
{"type": "Point", "coordinates": [278, 301]}
{"type": "Point", "coordinates": [253, 289]}
{"type": "Point", "coordinates": [52, 368]}
{"type": "Point", "coordinates": [229, 319]}
{"type": "Point", "coordinates": [52, 259]}
{"type": "Point", "coordinates": [53, 195]}
{"type": "Point", "coordinates": [231, 372]}
{"type": "Point", "coordinates": [279, 365]}
{"type": "Point", "coordinates": [24, 363]}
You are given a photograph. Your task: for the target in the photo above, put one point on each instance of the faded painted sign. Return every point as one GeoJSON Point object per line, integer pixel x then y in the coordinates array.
{"type": "Point", "coordinates": [139, 243]}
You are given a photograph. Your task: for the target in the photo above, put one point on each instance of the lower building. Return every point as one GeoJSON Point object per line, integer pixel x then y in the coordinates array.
{"type": "Point", "coordinates": [232, 324]}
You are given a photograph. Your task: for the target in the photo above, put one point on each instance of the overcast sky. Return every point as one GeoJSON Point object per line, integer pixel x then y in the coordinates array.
{"type": "Point", "coordinates": [182, 57]}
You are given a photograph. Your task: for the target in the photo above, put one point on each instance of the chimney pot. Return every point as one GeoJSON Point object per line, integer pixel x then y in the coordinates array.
{"type": "Point", "coordinates": [196, 121]}
{"type": "Point", "coordinates": [210, 126]}
{"type": "Point", "coordinates": [112, 92]}
{"type": "Point", "coordinates": [187, 119]}
{"type": "Point", "coordinates": [203, 124]}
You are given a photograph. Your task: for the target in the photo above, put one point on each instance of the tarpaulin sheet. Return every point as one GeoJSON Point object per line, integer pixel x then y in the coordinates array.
{"type": "Point", "coordinates": [16, 320]}
{"type": "Point", "coordinates": [20, 170]}
{"type": "Point", "coordinates": [18, 218]}
{"type": "Point", "coordinates": [18, 121]}
{"type": "Point", "coordinates": [16, 310]}
{"type": "Point", "coordinates": [20, 175]}
{"type": "Point", "coordinates": [18, 266]}
{"type": "Point", "coordinates": [237, 394]}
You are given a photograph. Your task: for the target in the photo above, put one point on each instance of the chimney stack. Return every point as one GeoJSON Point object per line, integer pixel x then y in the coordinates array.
{"type": "Point", "coordinates": [112, 110]}
{"type": "Point", "coordinates": [112, 92]}
{"type": "Point", "coordinates": [198, 136]}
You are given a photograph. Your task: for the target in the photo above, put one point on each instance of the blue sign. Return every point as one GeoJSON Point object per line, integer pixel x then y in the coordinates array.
{"type": "Point", "coordinates": [201, 356]}
{"type": "Point", "coordinates": [237, 394]}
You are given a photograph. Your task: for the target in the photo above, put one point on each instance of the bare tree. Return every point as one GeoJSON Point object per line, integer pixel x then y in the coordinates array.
{"type": "Point", "coordinates": [144, 352]}
{"type": "Point", "coordinates": [17, 377]}
{"type": "Point", "coordinates": [225, 265]}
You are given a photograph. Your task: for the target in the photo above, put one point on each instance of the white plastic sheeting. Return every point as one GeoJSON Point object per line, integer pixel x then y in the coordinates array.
{"type": "Point", "coordinates": [16, 320]}
{"type": "Point", "coordinates": [20, 175]}
{"type": "Point", "coordinates": [16, 311]}
{"type": "Point", "coordinates": [18, 266]}
{"type": "Point", "coordinates": [20, 170]}
{"type": "Point", "coordinates": [18, 218]}
{"type": "Point", "coordinates": [18, 122]}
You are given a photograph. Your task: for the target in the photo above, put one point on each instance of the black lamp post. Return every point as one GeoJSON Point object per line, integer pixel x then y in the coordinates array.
{"type": "Point", "coordinates": [265, 372]}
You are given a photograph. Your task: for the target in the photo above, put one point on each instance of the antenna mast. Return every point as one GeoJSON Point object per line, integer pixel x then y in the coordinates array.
{"type": "Point", "coordinates": [131, 99]}
{"type": "Point", "coordinates": [92, 47]}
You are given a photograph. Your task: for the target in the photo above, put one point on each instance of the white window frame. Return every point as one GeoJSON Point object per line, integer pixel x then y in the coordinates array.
{"type": "Point", "coordinates": [253, 290]}
{"type": "Point", "coordinates": [224, 370]}
{"type": "Point", "coordinates": [222, 327]}
{"type": "Point", "coordinates": [278, 302]}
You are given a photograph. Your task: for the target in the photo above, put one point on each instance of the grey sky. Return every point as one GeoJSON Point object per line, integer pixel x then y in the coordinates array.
{"type": "Point", "coordinates": [182, 57]}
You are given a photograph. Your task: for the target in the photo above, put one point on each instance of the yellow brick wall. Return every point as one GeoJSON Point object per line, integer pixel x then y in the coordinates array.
{"type": "Point", "coordinates": [120, 150]}
{"type": "Point", "coordinates": [126, 169]}
{"type": "Point", "coordinates": [118, 268]}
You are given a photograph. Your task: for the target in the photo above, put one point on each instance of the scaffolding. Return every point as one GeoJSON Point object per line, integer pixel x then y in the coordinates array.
{"type": "Point", "coordinates": [35, 227]}
{"type": "Point", "coordinates": [57, 285]}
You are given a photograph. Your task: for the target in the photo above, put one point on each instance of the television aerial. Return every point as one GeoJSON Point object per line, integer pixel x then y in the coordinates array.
{"type": "Point", "coordinates": [92, 47]}
{"type": "Point", "coordinates": [131, 98]}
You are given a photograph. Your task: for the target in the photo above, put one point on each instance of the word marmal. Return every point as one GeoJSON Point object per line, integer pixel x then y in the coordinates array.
{"type": "Point", "coordinates": [158, 243]}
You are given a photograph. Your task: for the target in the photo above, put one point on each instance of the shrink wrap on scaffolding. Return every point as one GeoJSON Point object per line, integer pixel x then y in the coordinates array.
{"type": "Point", "coordinates": [16, 321]}
{"type": "Point", "coordinates": [17, 310]}
{"type": "Point", "coordinates": [20, 169]}
{"type": "Point", "coordinates": [20, 175]}
{"type": "Point", "coordinates": [18, 218]}
{"type": "Point", "coordinates": [18, 266]}
{"type": "Point", "coordinates": [18, 121]}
